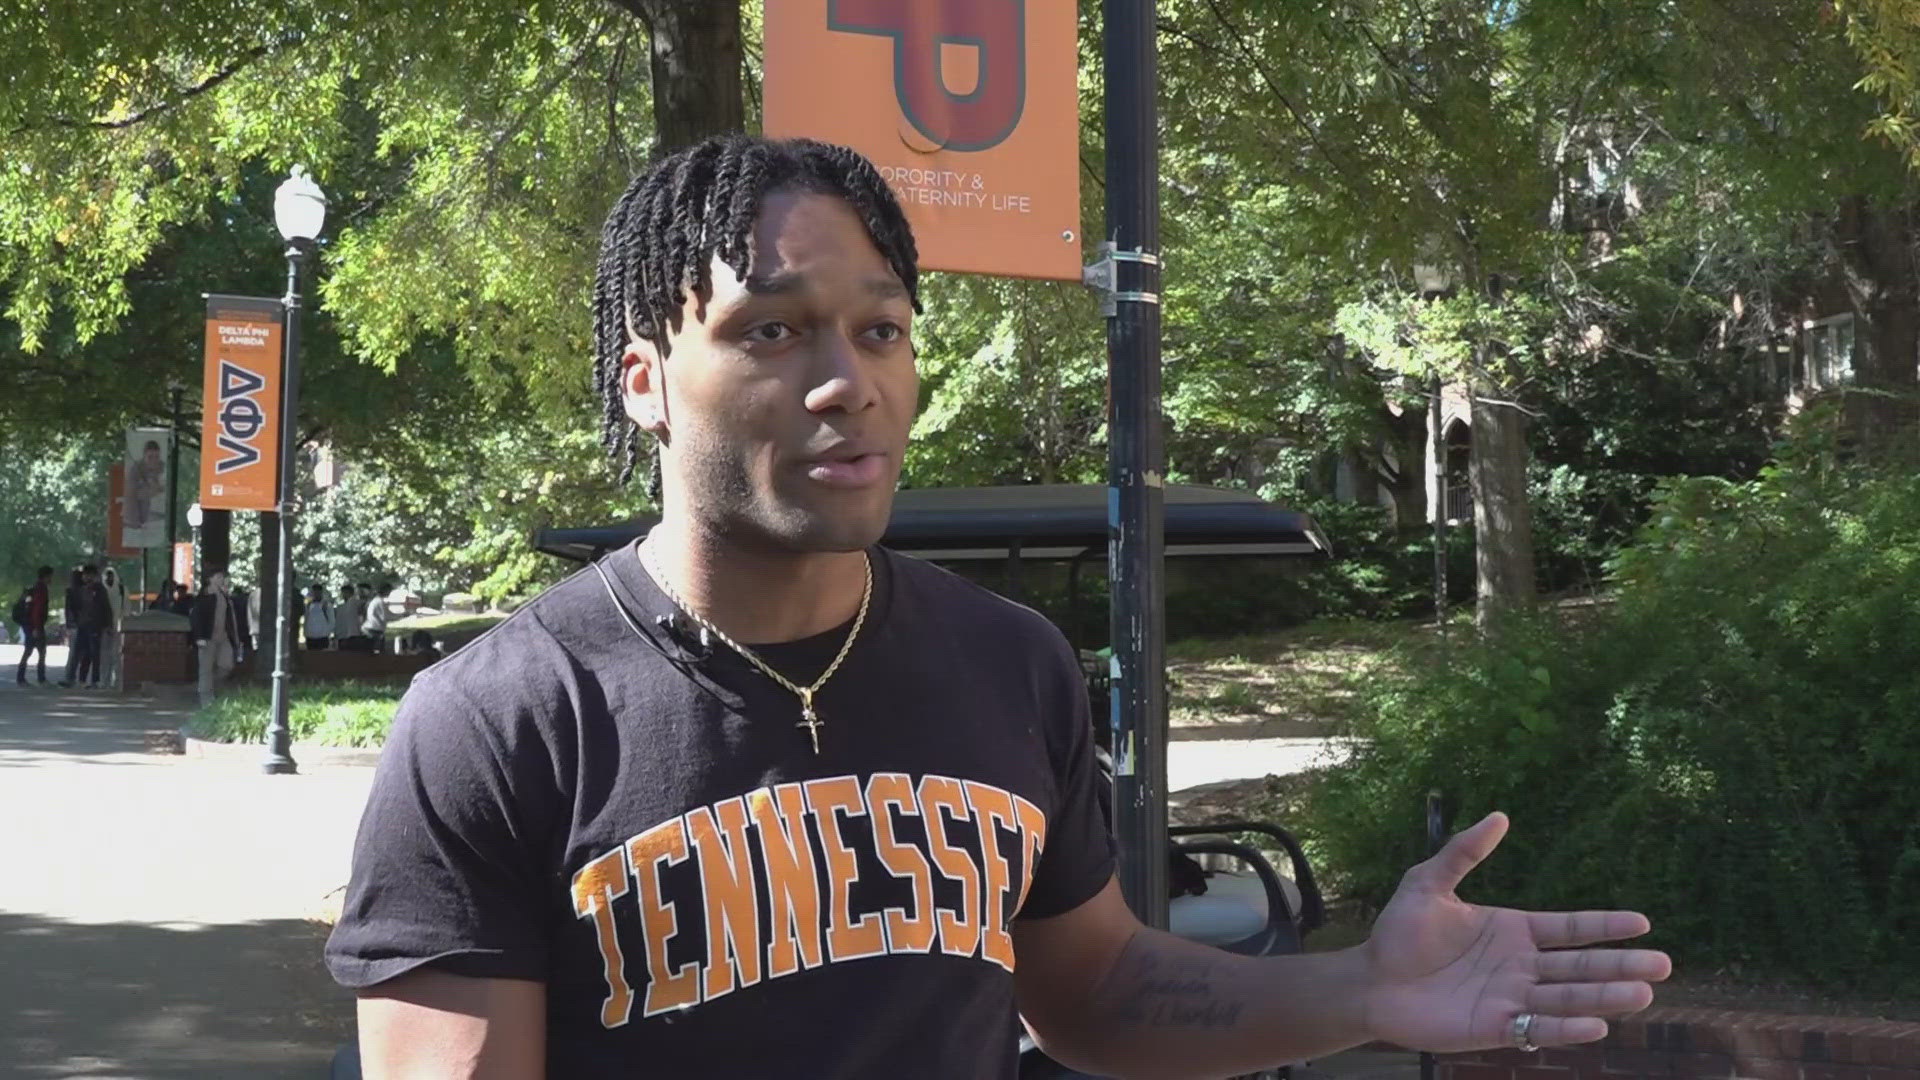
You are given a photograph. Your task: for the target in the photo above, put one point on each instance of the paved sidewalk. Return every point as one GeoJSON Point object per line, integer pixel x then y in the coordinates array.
{"type": "Point", "coordinates": [157, 911]}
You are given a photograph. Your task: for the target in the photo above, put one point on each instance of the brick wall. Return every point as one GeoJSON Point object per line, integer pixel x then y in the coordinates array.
{"type": "Point", "coordinates": [1681, 1043]}
{"type": "Point", "coordinates": [328, 665]}
{"type": "Point", "coordinates": [161, 655]}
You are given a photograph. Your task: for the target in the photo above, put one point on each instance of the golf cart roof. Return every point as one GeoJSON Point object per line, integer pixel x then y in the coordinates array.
{"type": "Point", "coordinates": [1034, 521]}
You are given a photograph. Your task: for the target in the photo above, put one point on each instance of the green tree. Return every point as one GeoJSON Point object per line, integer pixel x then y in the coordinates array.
{"type": "Point", "coordinates": [469, 157]}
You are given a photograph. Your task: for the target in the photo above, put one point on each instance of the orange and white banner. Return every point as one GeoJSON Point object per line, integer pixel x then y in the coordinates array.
{"type": "Point", "coordinates": [116, 513]}
{"type": "Point", "coordinates": [182, 567]}
{"type": "Point", "coordinates": [143, 503]}
{"type": "Point", "coordinates": [240, 404]}
{"type": "Point", "coordinates": [969, 108]}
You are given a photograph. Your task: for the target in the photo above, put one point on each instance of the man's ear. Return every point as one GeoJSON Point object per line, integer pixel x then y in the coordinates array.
{"type": "Point", "coordinates": [643, 387]}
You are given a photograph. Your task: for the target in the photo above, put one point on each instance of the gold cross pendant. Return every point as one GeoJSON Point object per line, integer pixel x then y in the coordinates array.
{"type": "Point", "coordinates": [810, 720]}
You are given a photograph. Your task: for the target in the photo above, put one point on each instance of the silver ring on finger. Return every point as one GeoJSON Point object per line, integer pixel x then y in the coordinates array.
{"type": "Point", "coordinates": [1523, 1033]}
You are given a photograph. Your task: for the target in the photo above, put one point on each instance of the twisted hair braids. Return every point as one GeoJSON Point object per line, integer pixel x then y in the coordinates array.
{"type": "Point", "coordinates": [665, 229]}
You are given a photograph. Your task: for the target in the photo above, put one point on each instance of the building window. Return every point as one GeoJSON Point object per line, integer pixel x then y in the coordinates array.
{"type": "Point", "coordinates": [1833, 345]}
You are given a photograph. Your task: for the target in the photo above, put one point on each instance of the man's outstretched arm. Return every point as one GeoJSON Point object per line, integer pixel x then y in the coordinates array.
{"type": "Point", "coordinates": [1103, 993]}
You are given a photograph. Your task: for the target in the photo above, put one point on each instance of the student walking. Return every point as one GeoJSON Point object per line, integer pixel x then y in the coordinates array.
{"type": "Point", "coordinates": [33, 623]}
{"type": "Point", "coordinates": [216, 634]}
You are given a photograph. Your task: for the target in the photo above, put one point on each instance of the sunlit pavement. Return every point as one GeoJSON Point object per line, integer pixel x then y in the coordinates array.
{"type": "Point", "coordinates": [157, 912]}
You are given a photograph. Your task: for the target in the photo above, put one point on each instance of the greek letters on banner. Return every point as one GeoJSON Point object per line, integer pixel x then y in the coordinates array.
{"type": "Point", "coordinates": [240, 404]}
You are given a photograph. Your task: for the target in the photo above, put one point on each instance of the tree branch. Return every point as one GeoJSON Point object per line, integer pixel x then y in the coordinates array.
{"type": "Point", "coordinates": [635, 8]}
{"type": "Point", "coordinates": [537, 99]}
{"type": "Point", "coordinates": [182, 96]}
{"type": "Point", "coordinates": [1260, 68]}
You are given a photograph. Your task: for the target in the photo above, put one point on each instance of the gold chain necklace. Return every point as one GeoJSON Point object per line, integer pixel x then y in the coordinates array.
{"type": "Point", "coordinates": [808, 718]}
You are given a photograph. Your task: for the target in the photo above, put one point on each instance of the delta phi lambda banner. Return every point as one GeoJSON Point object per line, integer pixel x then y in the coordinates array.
{"type": "Point", "coordinates": [969, 108]}
{"type": "Point", "coordinates": [240, 404]}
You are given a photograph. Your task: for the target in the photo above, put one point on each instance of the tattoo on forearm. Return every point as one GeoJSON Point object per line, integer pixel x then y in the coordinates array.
{"type": "Point", "coordinates": [1155, 992]}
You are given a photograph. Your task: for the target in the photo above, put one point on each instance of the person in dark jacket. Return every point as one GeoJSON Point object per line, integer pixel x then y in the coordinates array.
{"type": "Point", "coordinates": [35, 626]}
{"type": "Point", "coordinates": [96, 617]}
{"type": "Point", "coordinates": [76, 584]}
{"type": "Point", "coordinates": [81, 649]}
{"type": "Point", "coordinates": [216, 633]}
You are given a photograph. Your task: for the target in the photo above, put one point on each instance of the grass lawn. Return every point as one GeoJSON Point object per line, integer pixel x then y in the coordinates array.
{"type": "Point", "coordinates": [1302, 680]}
{"type": "Point", "coordinates": [336, 714]}
{"type": "Point", "coordinates": [451, 630]}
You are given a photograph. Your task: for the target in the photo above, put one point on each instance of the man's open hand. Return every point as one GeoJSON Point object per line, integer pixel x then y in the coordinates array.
{"type": "Point", "coordinates": [1447, 976]}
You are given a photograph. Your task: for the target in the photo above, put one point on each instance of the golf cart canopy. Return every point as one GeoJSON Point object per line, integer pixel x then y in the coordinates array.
{"type": "Point", "coordinates": [1038, 521]}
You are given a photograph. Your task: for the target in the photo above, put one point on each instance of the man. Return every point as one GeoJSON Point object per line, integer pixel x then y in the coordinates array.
{"type": "Point", "coordinates": [216, 634]}
{"type": "Point", "coordinates": [110, 639]}
{"type": "Point", "coordinates": [88, 613]}
{"type": "Point", "coordinates": [766, 799]}
{"type": "Point", "coordinates": [34, 626]}
{"type": "Point", "coordinates": [375, 615]}
{"type": "Point", "coordinates": [318, 623]}
{"type": "Point", "coordinates": [348, 618]}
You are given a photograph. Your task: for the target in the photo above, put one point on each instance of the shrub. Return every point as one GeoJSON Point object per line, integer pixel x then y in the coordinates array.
{"type": "Point", "coordinates": [1728, 747]}
{"type": "Point", "coordinates": [333, 714]}
{"type": "Point", "coordinates": [1380, 570]}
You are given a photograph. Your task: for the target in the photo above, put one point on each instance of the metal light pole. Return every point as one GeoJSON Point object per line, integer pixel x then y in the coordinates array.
{"type": "Point", "coordinates": [1136, 458]}
{"type": "Point", "coordinates": [1436, 418]}
{"type": "Point", "coordinates": [173, 470]}
{"type": "Point", "coordinates": [195, 516]}
{"type": "Point", "coordinates": [299, 209]}
{"type": "Point", "coordinates": [1435, 282]}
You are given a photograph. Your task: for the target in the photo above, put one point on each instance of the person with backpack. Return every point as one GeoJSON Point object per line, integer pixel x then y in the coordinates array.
{"type": "Point", "coordinates": [319, 620]}
{"type": "Point", "coordinates": [347, 620]}
{"type": "Point", "coordinates": [30, 611]}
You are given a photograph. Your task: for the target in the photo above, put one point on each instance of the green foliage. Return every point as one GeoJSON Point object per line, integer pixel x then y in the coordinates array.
{"type": "Point", "coordinates": [1380, 570]}
{"type": "Point", "coordinates": [1313, 152]}
{"type": "Point", "coordinates": [1728, 747]}
{"type": "Point", "coordinates": [1887, 36]}
{"type": "Point", "coordinates": [335, 714]}
{"type": "Point", "coordinates": [53, 511]}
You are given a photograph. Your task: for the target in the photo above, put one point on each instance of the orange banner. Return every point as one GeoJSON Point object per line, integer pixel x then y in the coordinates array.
{"type": "Point", "coordinates": [969, 108]}
{"type": "Point", "coordinates": [182, 566]}
{"type": "Point", "coordinates": [240, 405]}
{"type": "Point", "coordinates": [116, 512]}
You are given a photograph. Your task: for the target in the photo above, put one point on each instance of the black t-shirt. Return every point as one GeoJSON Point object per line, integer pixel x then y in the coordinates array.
{"type": "Point", "coordinates": [596, 804]}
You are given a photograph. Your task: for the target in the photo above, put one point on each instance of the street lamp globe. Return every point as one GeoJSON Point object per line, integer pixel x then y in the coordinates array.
{"type": "Point", "coordinates": [195, 515]}
{"type": "Point", "coordinates": [299, 207]}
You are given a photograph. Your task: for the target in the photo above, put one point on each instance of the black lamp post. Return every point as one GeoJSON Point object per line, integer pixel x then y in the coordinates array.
{"type": "Point", "coordinates": [1433, 283]}
{"type": "Point", "coordinates": [299, 209]}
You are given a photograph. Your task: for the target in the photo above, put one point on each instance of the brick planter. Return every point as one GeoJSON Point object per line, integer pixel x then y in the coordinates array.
{"type": "Point", "coordinates": [1680, 1043]}
{"type": "Point", "coordinates": [332, 665]}
{"type": "Point", "coordinates": [154, 649]}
